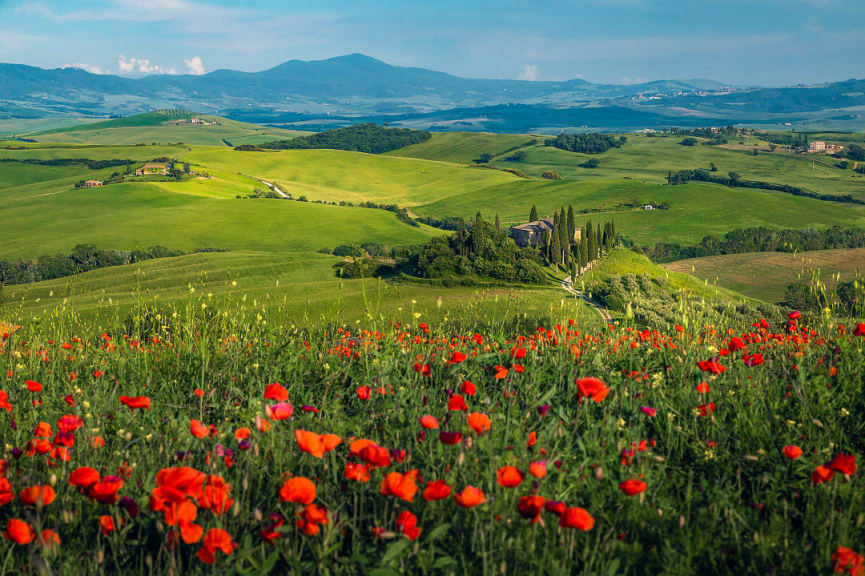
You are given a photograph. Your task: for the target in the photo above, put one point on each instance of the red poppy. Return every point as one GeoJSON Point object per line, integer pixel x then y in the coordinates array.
{"type": "Point", "coordinates": [821, 474]}
{"type": "Point", "coordinates": [438, 490]}
{"type": "Point", "coordinates": [299, 490]}
{"type": "Point", "coordinates": [500, 372]}
{"type": "Point", "coordinates": [19, 531]}
{"type": "Point", "coordinates": [576, 518]}
{"type": "Point", "coordinates": [792, 452]}
{"type": "Point", "coordinates": [593, 388]}
{"type": "Point", "coordinates": [375, 456]}
{"type": "Point", "coordinates": [215, 540]}
{"type": "Point", "coordinates": [846, 560]}
{"type": "Point", "coordinates": [556, 507]}
{"type": "Point", "coordinates": [843, 463]}
{"type": "Point", "coordinates": [468, 388]}
{"type": "Point", "coordinates": [450, 438]}
{"type": "Point", "coordinates": [479, 422]}
{"type": "Point", "coordinates": [33, 386]}
{"type": "Point", "coordinates": [316, 444]}
{"type": "Point", "coordinates": [632, 486]}
{"type": "Point", "coordinates": [136, 402]}
{"type": "Point", "coordinates": [4, 401]}
{"type": "Point", "coordinates": [279, 411]}
{"type": "Point", "coordinates": [429, 422]}
{"type": "Point", "coordinates": [83, 477]}
{"type": "Point", "coordinates": [37, 495]}
{"type": "Point", "coordinates": [356, 471]}
{"type": "Point", "coordinates": [509, 476]}
{"type": "Point", "coordinates": [310, 518]}
{"type": "Point", "coordinates": [457, 357]}
{"type": "Point", "coordinates": [469, 497]}
{"type": "Point", "coordinates": [538, 469]}
{"type": "Point", "coordinates": [712, 366]}
{"type": "Point", "coordinates": [363, 392]}
{"type": "Point", "coordinates": [6, 494]}
{"type": "Point", "coordinates": [400, 485]}
{"type": "Point", "coordinates": [702, 388]}
{"type": "Point", "coordinates": [107, 525]}
{"type": "Point", "coordinates": [706, 409]}
{"type": "Point", "coordinates": [198, 429]}
{"type": "Point", "coordinates": [457, 403]}
{"type": "Point", "coordinates": [531, 507]}
{"type": "Point", "coordinates": [407, 523]}
{"type": "Point", "coordinates": [275, 392]}
{"type": "Point", "coordinates": [752, 359]}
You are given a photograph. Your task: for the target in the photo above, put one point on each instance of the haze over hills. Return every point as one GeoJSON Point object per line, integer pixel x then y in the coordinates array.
{"type": "Point", "coordinates": [356, 87]}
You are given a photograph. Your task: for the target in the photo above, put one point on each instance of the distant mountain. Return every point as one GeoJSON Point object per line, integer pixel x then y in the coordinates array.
{"type": "Point", "coordinates": [358, 86]}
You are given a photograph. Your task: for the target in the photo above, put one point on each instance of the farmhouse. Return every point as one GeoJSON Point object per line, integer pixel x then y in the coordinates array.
{"type": "Point", "coordinates": [821, 146]}
{"type": "Point", "coordinates": [92, 183]}
{"type": "Point", "coordinates": [152, 169]}
{"type": "Point", "coordinates": [537, 232]}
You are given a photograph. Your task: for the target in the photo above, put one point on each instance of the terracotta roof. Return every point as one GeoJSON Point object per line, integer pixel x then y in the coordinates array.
{"type": "Point", "coordinates": [537, 225]}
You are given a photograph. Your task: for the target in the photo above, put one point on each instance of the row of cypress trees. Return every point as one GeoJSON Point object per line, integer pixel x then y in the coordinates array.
{"type": "Point", "coordinates": [575, 255]}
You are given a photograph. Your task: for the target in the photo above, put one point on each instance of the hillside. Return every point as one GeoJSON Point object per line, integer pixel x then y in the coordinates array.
{"type": "Point", "coordinates": [367, 138]}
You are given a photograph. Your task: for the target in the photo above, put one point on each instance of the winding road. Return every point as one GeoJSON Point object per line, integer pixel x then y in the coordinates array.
{"type": "Point", "coordinates": [599, 308]}
{"type": "Point", "coordinates": [273, 187]}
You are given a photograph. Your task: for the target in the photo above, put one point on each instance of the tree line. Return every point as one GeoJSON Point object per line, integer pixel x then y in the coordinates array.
{"type": "Point", "coordinates": [589, 143]}
{"type": "Point", "coordinates": [370, 138]}
{"type": "Point", "coordinates": [84, 257]}
{"type": "Point", "coordinates": [759, 239]}
{"type": "Point", "coordinates": [734, 180]}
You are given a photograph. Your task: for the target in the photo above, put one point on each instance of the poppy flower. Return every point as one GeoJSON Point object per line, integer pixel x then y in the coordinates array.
{"type": "Point", "coordinates": [33, 386]}
{"type": "Point", "coordinates": [457, 403]}
{"type": "Point", "coordinates": [375, 456]}
{"type": "Point", "coordinates": [198, 429]}
{"type": "Point", "coordinates": [216, 495]}
{"type": "Point", "coordinates": [38, 495]}
{"type": "Point", "coordinates": [357, 446]}
{"type": "Point", "coordinates": [555, 507]}
{"type": "Point", "coordinates": [310, 518]}
{"type": "Point", "coordinates": [429, 422]}
{"type": "Point", "coordinates": [593, 388]}
{"type": "Point", "coordinates": [706, 409]}
{"type": "Point", "coordinates": [6, 494]}
{"type": "Point", "coordinates": [752, 360]}
{"type": "Point", "coordinates": [479, 422]}
{"type": "Point", "coordinates": [538, 469]}
{"type": "Point", "coordinates": [299, 490]}
{"type": "Point", "coordinates": [69, 423]}
{"type": "Point", "coordinates": [363, 392]}
{"type": "Point", "coordinates": [821, 474]}
{"type": "Point", "coordinates": [531, 507]}
{"type": "Point", "coordinates": [500, 372]}
{"type": "Point", "coordinates": [407, 523]}
{"type": "Point", "coordinates": [860, 330]}
{"type": "Point", "coordinates": [509, 477]}
{"type": "Point", "coordinates": [83, 477]}
{"type": "Point", "coordinates": [242, 433]}
{"type": "Point", "coordinates": [279, 411]}
{"type": "Point", "coordinates": [702, 388]}
{"type": "Point", "coordinates": [107, 525]}
{"type": "Point", "coordinates": [518, 353]}
{"type": "Point", "coordinates": [457, 357]}
{"type": "Point", "coordinates": [792, 452]}
{"type": "Point", "coordinates": [577, 518]}
{"type": "Point", "coordinates": [316, 444]}
{"type": "Point", "coordinates": [105, 491]}
{"type": "Point", "coordinates": [49, 538]}
{"type": "Point", "coordinates": [846, 560]}
{"type": "Point", "coordinates": [275, 392]}
{"type": "Point", "coordinates": [712, 366]}
{"type": "Point", "coordinates": [4, 401]}
{"type": "Point", "coordinates": [356, 471]}
{"type": "Point", "coordinates": [438, 490]}
{"type": "Point", "coordinates": [450, 438]}
{"type": "Point", "coordinates": [469, 497]}
{"type": "Point", "coordinates": [794, 315]}
{"type": "Point", "coordinates": [423, 369]}
{"type": "Point", "coordinates": [632, 486]}
{"type": "Point", "coordinates": [136, 402]}
{"type": "Point", "coordinates": [43, 430]}
{"type": "Point", "coordinates": [19, 531]}
{"type": "Point", "coordinates": [400, 485]}
{"type": "Point", "coordinates": [468, 388]}
{"type": "Point", "coordinates": [533, 438]}
{"type": "Point", "coordinates": [843, 463]}
{"type": "Point", "coordinates": [215, 540]}
{"type": "Point", "coordinates": [648, 411]}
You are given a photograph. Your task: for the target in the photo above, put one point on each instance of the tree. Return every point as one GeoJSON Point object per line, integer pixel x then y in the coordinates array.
{"type": "Point", "coordinates": [555, 245]}
{"type": "Point", "coordinates": [584, 254]}
{"type": "Point", "coordinates": [734, 176]}
{"type": "Point", "coordinates": [572, 226]}
{"type": "Point", "coordinates": [533, 215]}
{"type": "Point", "coordinates": [478, 239]}
{"type": "Point", "coordinates": [712, 167]}
{"type": "Point", "coordinates": [498, 224]}
{"type": "Point", "coordinates": [485, 158]}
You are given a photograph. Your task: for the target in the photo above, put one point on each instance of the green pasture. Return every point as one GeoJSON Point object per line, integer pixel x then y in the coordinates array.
{"type": "Point", "coordinates": [464, 147]}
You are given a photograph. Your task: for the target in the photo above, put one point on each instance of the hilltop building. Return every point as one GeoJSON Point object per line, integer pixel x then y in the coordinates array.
{"type": "Point", "coordinates": [152, 170]}
{"type": "Point", "coordinates": [537, 232]}
{"type": "Point", "coordinates": [821, 146]}
{"type": "Point", "coordinates": [92, 183]}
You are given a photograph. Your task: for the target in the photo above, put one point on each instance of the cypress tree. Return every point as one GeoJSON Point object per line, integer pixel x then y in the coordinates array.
{"type": "Point", "coordinates": [572, 226]}
{"type": "Point", "coordinates": [573, 272]}
{"type": "Point", "coordinates": [584, 254]}
{"type": "Point", "coordinates": [478, 234]}
{"type": "Point", "coordinates": [598, 244]}
{"type": "Point", "coordinates": [555, 245]}
{"type": "Point", "coordinates": [533, 215]}
{"type": "Point", "coordinates": [498, 224]}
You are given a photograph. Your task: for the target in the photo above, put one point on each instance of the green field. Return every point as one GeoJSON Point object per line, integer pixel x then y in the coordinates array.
{"type": "Point", "coordinates": [155, 128]}
{"type": "Point", "coordinates": [464, 147]}
{"type": "Point", "coordinates": [766, 275]}
{"type": "Point", "coordinates": [297, 287]}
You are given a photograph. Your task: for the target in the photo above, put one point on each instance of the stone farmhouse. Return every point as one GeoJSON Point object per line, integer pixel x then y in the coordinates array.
{"type": "Point", "coordinates": [152, 170]}
{"type": "Point", "coordinates": [821, 146]}
{"type": "Point", "coordinates": [537, 232]}
{"type": "Point", "coordinates": [92, 183]}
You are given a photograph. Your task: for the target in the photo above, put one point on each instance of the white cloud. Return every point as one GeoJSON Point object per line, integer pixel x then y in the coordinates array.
{"type": "Point", "coordinates": [195, 66]}
{"type": "Point", "coordinates": [530, 72]}
{"type": "Point", "coordinates": [140, 66]}
{"type": "Point", "coordinates": [93, 69]}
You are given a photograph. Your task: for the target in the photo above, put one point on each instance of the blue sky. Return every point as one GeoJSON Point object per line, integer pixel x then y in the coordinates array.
{"type": "Point", "coordinates": [768, 42]}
